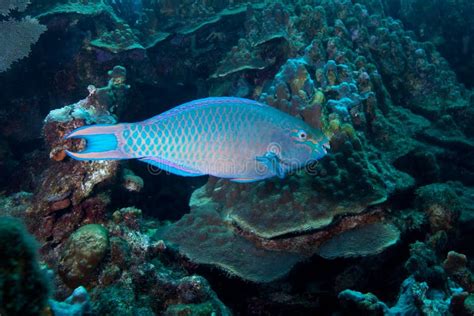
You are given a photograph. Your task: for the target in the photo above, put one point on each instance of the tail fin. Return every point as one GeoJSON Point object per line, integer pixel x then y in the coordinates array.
{"type": "Point", "coordinates": [102, 142]}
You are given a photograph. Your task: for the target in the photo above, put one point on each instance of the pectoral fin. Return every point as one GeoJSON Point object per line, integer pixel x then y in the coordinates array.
{"type": "Point", "coordinates": [272, 162]}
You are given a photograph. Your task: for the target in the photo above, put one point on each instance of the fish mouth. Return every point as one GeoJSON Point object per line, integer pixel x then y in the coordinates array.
{"type": "Point", "coordinates": [318, 143]}
{"type": "Point", "coordinates": [326, 144]}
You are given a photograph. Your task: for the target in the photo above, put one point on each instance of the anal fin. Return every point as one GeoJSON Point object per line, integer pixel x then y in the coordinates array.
{"type": "Point", "coordinates": [244, 180]}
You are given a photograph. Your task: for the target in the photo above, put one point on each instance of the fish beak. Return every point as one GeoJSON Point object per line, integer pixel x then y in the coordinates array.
{"type": "Point", "coordinates": [326, 147]}
{"type": "Point", "coordinates": [317, 144]}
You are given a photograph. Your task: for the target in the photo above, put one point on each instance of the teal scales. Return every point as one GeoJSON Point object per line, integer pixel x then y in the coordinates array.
{"type": "Point", "coordinates": [227, 137]}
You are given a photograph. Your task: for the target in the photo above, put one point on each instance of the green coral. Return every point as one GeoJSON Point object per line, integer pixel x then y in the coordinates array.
{"type": "Point", "coordinates": [347, 173]}
{"type": "Point", "coordinates": [23, 285]}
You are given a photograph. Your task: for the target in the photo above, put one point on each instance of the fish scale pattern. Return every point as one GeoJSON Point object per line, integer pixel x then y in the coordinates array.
{"type": "Point", "coordinates": [142, 140]}
{"type": "Point", "coordinates": [213, 136]}
{"type": "Point", "coordinates": [193, 138]}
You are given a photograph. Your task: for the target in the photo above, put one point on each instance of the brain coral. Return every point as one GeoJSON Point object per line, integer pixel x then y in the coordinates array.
{"type": "Point", "coordinates": [82, 253]}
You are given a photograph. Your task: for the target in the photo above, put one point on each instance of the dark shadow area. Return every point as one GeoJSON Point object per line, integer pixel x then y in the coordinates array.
{"type": "Point", "coordinates": [447, 24]}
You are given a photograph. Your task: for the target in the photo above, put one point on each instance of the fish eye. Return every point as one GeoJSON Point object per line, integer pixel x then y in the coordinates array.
{"type": "Point", "coordinates": [302, 135]}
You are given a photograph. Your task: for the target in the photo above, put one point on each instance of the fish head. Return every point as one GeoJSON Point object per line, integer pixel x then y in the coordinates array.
{"type": "Point", "coordinates": [303, 145]}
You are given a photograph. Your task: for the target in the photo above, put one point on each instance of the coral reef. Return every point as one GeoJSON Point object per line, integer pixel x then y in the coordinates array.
{"type": "Point", "coordinates": [223, 216]}
{"type": "Point", "coordinates": [240, 58]}
{"type": "Point", "coordinates": [432, 288]}
{"type": "Point", "coordinates": [70, 184]}
{"type": "Point", "coordinates": [388, 212]}
{"type": "Point", "coordinates": [444, 23]}
{"type": "Point", "coordinates": [414, 299]}
{"type": "Point", "coordinates": [133, 278]}
{"type": "Point", "coordinates": [343, 97]}
{"type": "Point", "coordinates": [376, 127]}
{"type": "Point", "coordinates": [24, 284]}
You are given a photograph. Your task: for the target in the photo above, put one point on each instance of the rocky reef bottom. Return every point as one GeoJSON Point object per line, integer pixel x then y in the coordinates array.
{"type": "Point", "coordinates": [122, 266]}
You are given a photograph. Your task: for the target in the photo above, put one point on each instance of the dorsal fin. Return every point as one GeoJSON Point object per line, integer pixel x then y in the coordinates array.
{"type": "Point", "coordinates": [211, 101]}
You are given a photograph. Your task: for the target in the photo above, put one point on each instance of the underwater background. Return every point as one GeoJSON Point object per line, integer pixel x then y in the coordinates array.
{"type": "Point", "coordinates": [381, 225]}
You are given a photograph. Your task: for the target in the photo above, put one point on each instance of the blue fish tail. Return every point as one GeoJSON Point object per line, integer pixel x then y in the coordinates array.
{"type": "Point", "coordinates": [102, 142]}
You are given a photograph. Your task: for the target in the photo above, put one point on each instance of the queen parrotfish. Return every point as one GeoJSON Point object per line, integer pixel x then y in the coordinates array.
{"type": "Point", "coordinates": [226, 137]}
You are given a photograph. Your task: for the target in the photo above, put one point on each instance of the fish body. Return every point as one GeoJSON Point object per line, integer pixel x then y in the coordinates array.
{"type": "Point", "coordinates": [227, 137]}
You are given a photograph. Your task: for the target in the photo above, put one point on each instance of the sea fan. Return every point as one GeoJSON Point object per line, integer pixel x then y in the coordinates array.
{"type": "Point", "coordinates": [16, 36]}
{"type": "Point", "coordinates": [7, 5]}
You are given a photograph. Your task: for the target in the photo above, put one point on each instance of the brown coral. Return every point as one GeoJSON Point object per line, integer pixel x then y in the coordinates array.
{"type": "Point", "coordinates": [82, 253]}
